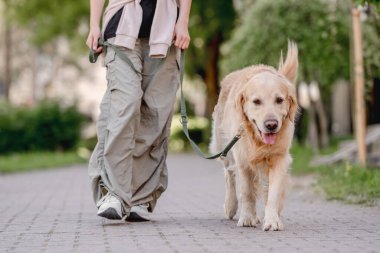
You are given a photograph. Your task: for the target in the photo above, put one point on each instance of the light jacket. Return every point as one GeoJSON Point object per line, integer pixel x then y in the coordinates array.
{"type": "Point", "coordinates": [162, 30]}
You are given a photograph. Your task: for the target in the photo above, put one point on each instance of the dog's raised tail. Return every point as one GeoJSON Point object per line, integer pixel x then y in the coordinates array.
{"type": "Point", "coordinates": [289, 68]}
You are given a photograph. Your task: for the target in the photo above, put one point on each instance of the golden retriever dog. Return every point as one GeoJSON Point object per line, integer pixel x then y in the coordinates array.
{"type": "Point", "coordinates": [260, 103]}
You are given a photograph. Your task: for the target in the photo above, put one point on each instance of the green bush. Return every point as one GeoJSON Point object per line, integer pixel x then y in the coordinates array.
{"type": "Point", "coordinates": [45, 127]}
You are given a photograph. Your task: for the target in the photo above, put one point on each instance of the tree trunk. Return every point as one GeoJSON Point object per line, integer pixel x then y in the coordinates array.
{"type": "Point", "coordinates": [211, 77]}
{"type": "Point", "coordinates": [323, 127]}
{"type": "Point", "coordinates": [360, 114]}
{"type": "Point", "coordinates": [312, 129]}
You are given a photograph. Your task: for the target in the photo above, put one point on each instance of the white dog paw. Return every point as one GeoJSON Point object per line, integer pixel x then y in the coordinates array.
{"type": "Point", "coordinates": [230, 210]}
{"type": "Point", "coordinates": [248, 221]}
{"type": "Point", "coordinates": [273, 224]}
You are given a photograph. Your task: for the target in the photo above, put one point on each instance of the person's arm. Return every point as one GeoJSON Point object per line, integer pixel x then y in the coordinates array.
{"type": "Point", "coordinates": [96, 10]}
{"type": "Point", "coordinates": [181, 30]}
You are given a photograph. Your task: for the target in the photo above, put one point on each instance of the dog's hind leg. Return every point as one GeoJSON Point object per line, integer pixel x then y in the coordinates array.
{"type": "Point", "coordinates": [230, 201]}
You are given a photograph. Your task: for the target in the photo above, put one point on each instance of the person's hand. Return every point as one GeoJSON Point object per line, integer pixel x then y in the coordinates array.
{"type": "Point", "coordinates": [92, 39]}
{"type": "Point", "coordinates": [181, 35]}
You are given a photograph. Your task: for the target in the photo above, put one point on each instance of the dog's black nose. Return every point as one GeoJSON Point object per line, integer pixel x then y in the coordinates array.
{"type": "Point", "coordinates": [271, 125]}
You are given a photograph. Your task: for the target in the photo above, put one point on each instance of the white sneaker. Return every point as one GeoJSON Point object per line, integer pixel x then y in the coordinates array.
{"type": "Point", "coordinates": [139, 213]}
{"type": "Point", "coordinates": [110, 207]}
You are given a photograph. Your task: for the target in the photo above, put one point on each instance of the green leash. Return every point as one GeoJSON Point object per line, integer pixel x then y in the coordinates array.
{"type": "Point", "coordinates": [93, 56]}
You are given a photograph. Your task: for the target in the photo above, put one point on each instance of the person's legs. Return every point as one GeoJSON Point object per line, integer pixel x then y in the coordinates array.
{"type": "Point", "coordinates": [150, 176]}
{"type": "Point", "coordinates": [112, 160]}
{"type": "Point", "coordinates": [129, 160]}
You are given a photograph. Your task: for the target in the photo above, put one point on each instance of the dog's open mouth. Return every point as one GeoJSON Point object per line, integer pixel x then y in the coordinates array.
{"type": "Point", "coordinates": [269, 138]}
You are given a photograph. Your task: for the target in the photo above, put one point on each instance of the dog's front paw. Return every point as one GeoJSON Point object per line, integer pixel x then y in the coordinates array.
{"type": "Point", "coordinates": [248, 221]}
{"type": "Point", "coordinates": [272, 223]}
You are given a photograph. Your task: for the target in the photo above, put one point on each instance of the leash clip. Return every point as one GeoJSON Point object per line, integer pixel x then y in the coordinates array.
{"type": "Point", "coordinates": [183, 120]}
{"type": "Point", "coordinates": [240, 132]}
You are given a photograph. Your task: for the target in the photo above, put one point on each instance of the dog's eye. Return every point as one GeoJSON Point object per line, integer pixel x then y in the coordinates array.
{"type": "Point", "coordinates": [257, 101]}
{"type": "Point", "coordinates": [279, 100]}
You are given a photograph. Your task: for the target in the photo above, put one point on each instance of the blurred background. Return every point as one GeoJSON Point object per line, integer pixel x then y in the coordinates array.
{"type": "Point", "coordinates": [50, 93]}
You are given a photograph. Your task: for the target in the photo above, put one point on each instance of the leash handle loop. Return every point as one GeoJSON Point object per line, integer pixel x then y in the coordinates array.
{"type": "Point", "coordinates": [93, 57]}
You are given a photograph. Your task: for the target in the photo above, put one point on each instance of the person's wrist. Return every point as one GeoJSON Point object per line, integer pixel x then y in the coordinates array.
{"type": "Point", "coordinates": [94, 27]}
{"type": "Point", "coordinates": [183, 21]}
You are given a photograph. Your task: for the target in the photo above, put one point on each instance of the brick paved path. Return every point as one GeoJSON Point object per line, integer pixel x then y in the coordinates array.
{"type": "Point", "coordinates": [52, 211]}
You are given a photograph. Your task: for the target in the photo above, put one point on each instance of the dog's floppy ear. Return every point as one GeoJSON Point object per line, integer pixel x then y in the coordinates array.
{"type": "Point", "coordinates": [239, 105]}
{"type": "Point", "coordinates": [289, 68]}
{"type": "Point", "coordinates": [293, 105]}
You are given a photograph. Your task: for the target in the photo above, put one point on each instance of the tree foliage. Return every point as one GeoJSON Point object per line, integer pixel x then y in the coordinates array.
{"type": "Point", "coordinates": [320, 30]}
{"type": "Point", "coordinates": [371, 44]}
{"type": "Point", "coordinates": [372, 2]}
{"type": "Point", "coordinates": [48, 20]}
{"type": "Point", "coordinates": [209, 19]}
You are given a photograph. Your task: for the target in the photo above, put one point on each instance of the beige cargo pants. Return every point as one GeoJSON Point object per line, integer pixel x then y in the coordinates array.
{"type": "Point", "coordinates": [129, 159]}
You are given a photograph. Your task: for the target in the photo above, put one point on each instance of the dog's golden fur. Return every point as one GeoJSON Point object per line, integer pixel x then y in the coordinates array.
{"type": "Point", "coordinates": [249, 99]}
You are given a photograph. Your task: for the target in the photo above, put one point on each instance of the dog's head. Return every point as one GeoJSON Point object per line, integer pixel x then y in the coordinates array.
{"type": "Point", "coordinates": [268, 100]}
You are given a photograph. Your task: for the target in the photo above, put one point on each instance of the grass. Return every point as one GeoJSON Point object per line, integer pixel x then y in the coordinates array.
{"type": "Point", "coordinates": [38, 160]}
{"type": "Point", "coordinates": [301, 158]}
{"type": "Point", "coordinates": [351, 184]}
{"type": "Point", "coordinates": [345, 182]}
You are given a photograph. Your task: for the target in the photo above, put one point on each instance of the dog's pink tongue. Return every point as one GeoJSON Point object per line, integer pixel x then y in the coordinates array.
{"type": "Point", "coordinates": [269, 139]}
